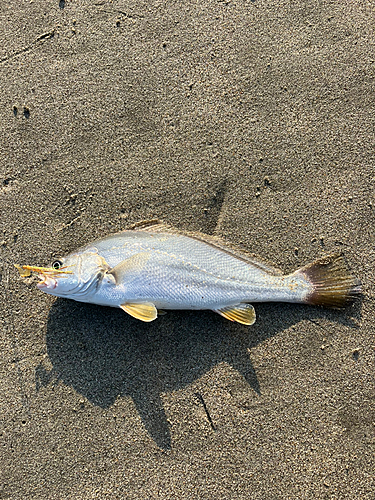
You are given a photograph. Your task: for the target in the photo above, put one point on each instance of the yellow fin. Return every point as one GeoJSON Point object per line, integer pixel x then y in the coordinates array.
{"type": "Point", "coordinates": [241, 313]}
{"type": "Point", "coordinates": [145, 311]}
{"type": "Point", "coordinates": [134, 263]}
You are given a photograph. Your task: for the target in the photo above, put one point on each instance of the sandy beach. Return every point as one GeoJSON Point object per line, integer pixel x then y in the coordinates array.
{"type": "Point", "coordinates": [245, 119]}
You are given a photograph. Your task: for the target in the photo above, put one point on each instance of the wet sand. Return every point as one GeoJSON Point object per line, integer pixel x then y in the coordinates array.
{"type": "Point", "coordinates": [250, 120]}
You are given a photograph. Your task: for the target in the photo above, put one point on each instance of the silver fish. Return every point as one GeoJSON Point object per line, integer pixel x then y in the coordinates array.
{"type": "Point", "coordinates": [153, 268]}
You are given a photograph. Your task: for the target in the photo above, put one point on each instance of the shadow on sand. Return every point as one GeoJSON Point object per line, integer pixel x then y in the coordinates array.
{"type": "Point", "coordinates": [103, 353]}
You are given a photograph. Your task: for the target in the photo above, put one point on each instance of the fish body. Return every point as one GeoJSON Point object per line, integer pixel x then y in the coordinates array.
{"type": "Point", "coordinates": [142, 271]}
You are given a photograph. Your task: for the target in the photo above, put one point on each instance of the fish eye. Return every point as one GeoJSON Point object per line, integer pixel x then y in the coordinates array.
{"type": "Point", "coordinates": [57, 264]}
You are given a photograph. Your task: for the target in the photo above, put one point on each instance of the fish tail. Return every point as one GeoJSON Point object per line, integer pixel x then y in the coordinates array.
{"type": "Point", "coordinates": [332, 284]}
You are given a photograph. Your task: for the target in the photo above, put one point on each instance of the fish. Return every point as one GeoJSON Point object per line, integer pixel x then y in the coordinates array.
{"type": "Point", "coordinates": [154, 267]}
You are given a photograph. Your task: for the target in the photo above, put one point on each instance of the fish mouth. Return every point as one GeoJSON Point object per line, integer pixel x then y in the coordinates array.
{"type": "Point", "coordinates": [47, 275]}
{"type": "Point", "coordinates": [46, 281]}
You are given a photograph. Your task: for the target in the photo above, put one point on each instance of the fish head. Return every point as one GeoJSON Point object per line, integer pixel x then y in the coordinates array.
{"type": "Point", "coordinates": [73, 276]}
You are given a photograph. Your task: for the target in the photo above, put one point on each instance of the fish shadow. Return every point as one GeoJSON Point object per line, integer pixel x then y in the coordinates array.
{"type": "Point", "coordinates": [105, 354]}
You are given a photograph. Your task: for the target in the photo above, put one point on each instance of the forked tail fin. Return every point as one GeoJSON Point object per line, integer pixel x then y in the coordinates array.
{"type": "Point", "coordinates": [332, 283]}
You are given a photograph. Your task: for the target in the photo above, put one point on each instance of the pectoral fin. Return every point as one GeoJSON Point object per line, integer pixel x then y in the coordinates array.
{"type": "Point", "coordinates": [241, 313]}
{"type": "Point", "coordinates": [145, 311]}
{"type": "Point", "coordinates": [134, 263]}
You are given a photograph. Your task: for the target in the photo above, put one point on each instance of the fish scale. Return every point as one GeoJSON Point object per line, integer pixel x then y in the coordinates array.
{"type": "Point", "coordinates": [188, 251]}
{"type": "Point", "coordinates": [182, 270]}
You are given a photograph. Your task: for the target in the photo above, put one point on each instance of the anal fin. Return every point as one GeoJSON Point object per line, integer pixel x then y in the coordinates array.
{"type": "Point", "coordinates": [144, 311]}
{"type": "Point", "coordinates": [240, 313]}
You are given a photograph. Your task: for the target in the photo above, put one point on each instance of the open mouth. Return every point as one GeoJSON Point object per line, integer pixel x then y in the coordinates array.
{"type": "Point", "coordinates": [47, 276]}
{"type": "Point", "coordinates": [46, 281]}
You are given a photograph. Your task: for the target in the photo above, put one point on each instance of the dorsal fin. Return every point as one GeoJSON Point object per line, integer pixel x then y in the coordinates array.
{"type": "Point", "coordinates": [144, 225]}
